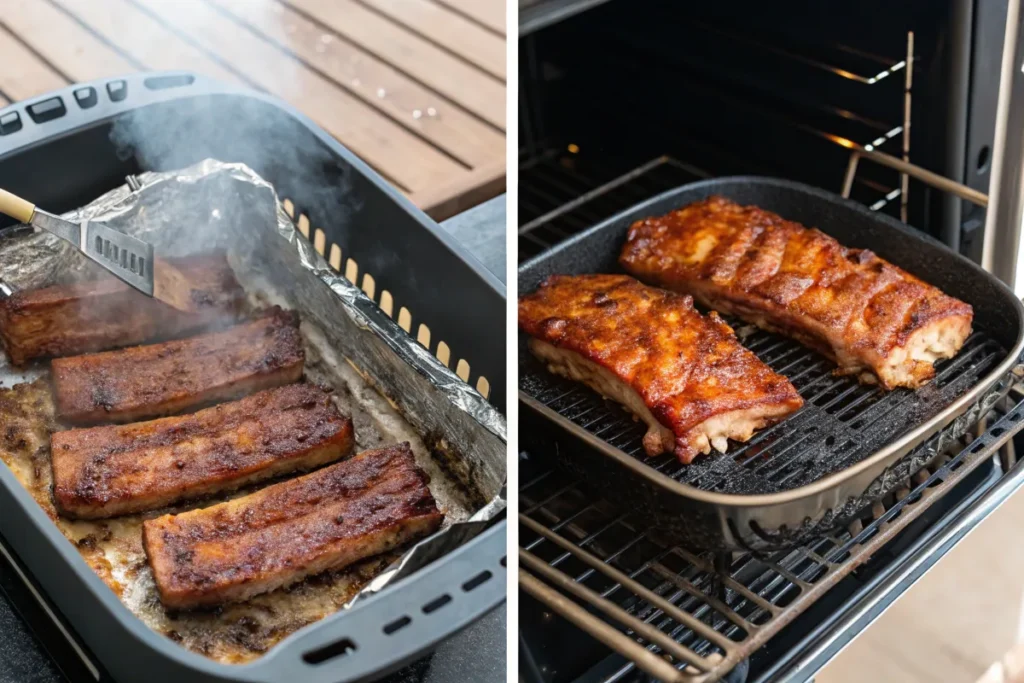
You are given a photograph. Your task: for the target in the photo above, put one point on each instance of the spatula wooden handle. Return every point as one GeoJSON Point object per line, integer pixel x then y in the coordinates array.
{"type": "Point", "coordinates": [16, 207]}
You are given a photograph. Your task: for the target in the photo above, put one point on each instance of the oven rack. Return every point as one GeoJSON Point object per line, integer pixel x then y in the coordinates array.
{"type": "Point", "coordinates": [688, 617]}
{"type": "Point", "coordinates": [839, 60]}
{"type": "Point", "coordinates": [563, 191]}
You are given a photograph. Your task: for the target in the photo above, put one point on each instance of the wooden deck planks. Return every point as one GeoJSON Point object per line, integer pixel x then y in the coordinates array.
{"type": "Point", "coordinates": [145, 39]}
{"type": "Point", "coordinates": [489, 13]}
{"type": "Point", "coordinates": [404, 158]}
{"type": "Point", "coordinates": [31, 77]}
{"type": "Point", "coordinates": [429, 64]}
{"type": "Point", "coordinates": [62, 41]}
{"type": "Point", "coordinates": [447, 29]}
{"type": "Point", "coordinates": [414, 87]}
{"type": "Point", "coordinates": [440, 121]}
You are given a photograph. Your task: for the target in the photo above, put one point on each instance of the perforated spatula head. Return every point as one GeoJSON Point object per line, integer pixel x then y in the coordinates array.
{"type": "Point", "coordinates": [127, 257]}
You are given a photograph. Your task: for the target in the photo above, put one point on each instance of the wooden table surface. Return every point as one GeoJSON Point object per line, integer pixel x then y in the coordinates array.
{"type": "Point", "coordinates": [414, 87]}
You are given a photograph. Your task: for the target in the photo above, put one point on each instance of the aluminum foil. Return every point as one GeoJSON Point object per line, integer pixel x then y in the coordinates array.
{"type": "Point", "coordinates": [216, 205]}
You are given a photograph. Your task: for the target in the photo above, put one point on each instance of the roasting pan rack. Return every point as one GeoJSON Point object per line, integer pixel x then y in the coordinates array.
{"type": "Point", "coordinates": [675, 614]}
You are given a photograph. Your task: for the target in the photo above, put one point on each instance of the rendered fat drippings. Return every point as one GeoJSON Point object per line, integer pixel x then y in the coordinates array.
{"type": "Point", "coordinates": [113, 548]}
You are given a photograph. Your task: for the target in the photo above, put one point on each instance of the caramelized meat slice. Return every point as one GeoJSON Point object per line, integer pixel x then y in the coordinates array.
{"type": "Point", "coordinates": [682, 373]}
{"type": "Point", "coordinates": [873, 319]}
{"type": "Point", "coordinates": [343, 513]}
{"type": "Point", "coordinates": [116, 470]}
{"type": "Point", "coordinates": [163, 379]}
{"type": "Point", "coordinates": [104, 314]}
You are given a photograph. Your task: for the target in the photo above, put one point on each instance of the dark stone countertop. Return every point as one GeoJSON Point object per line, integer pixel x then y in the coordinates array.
{"type": "Point", "coordinates": [475, 654]}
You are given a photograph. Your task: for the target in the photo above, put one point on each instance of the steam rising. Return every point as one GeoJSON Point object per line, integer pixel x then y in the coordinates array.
{"type": "Point", "coordinates": [243, 129]}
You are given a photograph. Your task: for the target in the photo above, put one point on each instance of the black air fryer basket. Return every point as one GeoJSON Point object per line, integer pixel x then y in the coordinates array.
{"type": "Point", "coordinates": [58, 151]}
{"type": "Point", "coordinates": [821, 467]}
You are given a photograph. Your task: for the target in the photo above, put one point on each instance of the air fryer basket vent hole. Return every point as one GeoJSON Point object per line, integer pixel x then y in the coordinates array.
{"type": "Point", "coordinates": [396, 625]}
{"type": "Point", "coordinates": [352, 271]}
{"type": "Point", "coordinates": [387, 304]}
{"type": "Point", "coordinates": [423, 335]}
{"type": "Point", "coordinates": [444, 354]}
{"type": "Point", "coordinates": [335, 258]}
{"type": "Point", "coordinates": [336, 649]}
{"type": "Point", "coordinates": [369, 286]}
{"type": "Point", "coordinates": [477, 581]}
{"type": "Point", "coordinates": [436, 603]}
{"type": "Point", "coordinates": [404, 319]}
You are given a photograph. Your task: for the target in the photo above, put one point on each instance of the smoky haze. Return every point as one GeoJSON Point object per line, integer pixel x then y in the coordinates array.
{"type": "Point", "coordinates": [238, 128]}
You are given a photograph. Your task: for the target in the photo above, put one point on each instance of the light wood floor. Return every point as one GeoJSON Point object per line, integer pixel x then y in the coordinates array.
{"type": "Point", "coordinates": [956, 621]}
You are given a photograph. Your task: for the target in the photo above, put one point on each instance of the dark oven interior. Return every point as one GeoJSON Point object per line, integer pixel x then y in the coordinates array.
{"type": "Point", "coordinates": [623, 101]}
{"type": "Point", "coordinates": [743, 87]}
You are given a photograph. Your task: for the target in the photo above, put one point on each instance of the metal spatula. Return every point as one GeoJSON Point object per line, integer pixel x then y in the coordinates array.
{"type": "Point", "coordinates": [130, 259]}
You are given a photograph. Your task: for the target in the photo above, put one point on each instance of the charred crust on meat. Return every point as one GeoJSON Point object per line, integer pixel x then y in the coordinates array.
{"type": "Point", "coordinates": [881, 322]}
{"type": "Point", "coordinates": [116, 469]}
{"type": "Point", "coordinates": [160, 379]}
{"type": "Point", "coordinates": [337, 515]}
{"type": "Point", "coordinates": [655, 346]}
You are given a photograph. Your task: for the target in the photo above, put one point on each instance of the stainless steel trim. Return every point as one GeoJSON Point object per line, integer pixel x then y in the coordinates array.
{"type": "Point", "coordinates": [538, 14]}
{"type": "Point", "coordinates": [1001, 245]}
{"type": "Point", "coordinates": [908, 84]}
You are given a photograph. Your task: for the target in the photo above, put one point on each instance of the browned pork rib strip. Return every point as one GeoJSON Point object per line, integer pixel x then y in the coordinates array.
{"type": "Point", "coordinates": [163, 379]}
{"type": "Point", "coordinates": [103, 314]}
{"type": "Point", "coordinates": [116, 470]}
{"type": "Point", "coordinates": [682, 373]}
{"type": "Point", "coordinates": [343, 513]}
{"type": "Point", "coordinates": [874, 319]}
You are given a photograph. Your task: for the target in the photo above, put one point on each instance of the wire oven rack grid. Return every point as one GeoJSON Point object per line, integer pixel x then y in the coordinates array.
{"type": "Point", "coordinates": [694, 617]}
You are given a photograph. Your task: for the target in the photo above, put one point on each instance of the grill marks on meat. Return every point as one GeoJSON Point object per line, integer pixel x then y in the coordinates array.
{"type": "Point", "coordinates": [163, 379]}
{"type": "Point", "coordinates": [683, 373]}
{"type": "Point", "coordinates": [869, 316]}
{"type": "Point", "coordinates": [104, 314]}
{"type": "Point", "coordinates": [116, 470]}
{"type": "Point", "coordinates": [329, 519]}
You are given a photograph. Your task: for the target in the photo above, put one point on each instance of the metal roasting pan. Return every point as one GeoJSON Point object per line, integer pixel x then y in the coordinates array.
{"type": "Point", "coordinates": [821, 467]}
{"type": "Point", "coordinates": [57, 149]}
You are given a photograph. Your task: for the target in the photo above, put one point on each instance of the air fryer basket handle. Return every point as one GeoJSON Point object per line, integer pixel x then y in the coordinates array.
{"type": "Point", "coordinates": [108, 98]}
{"type": "Point", "coordinates": [399, 625]}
